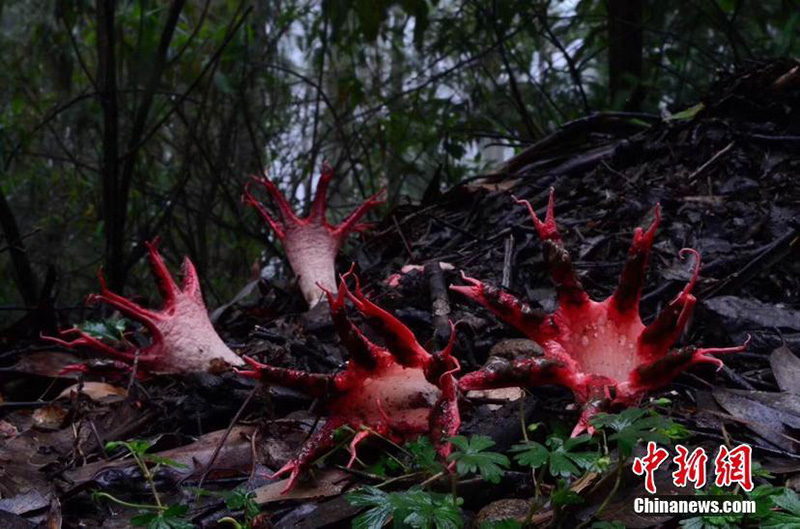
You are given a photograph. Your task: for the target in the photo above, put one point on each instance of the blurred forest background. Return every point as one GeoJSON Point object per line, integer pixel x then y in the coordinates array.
{"type": "Point", "coordinates": [125, 120]}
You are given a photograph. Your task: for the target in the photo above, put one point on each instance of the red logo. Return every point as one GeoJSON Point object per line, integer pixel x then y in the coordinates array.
{"type": "Point", "coordinates": [731, 466]}
{"type": "Point", "coordinates": [648, 465]}
{"type": "Point", "coordinates": [691, 467]}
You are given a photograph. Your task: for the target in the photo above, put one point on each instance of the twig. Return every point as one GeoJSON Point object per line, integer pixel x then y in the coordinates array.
{"type": "Point", "coordinates": [440, 302]}
{"type": "Point", "coordinates": [771, 255]}
{"type": "Point", "coordinates": [710, 162]}
{"type": "Point", "coordinates": [21, 238]}
{"type": "Point", "coordinates": [403, 237]}
{"type": "Point", "coordinates": [507, 262]}
{"type": "Point", "coordinates": [225, 437]}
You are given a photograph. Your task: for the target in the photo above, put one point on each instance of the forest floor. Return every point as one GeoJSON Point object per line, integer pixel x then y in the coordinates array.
{"type": "Point", "coordinates": [725, 173]}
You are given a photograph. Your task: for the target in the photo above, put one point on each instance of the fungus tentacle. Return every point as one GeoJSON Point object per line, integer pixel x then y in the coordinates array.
{"type": "Point", "coordinates": [400, 341]}
{"type": "Point", "coordinates": [523, 372]}
{"type": "Point", "coordinates": [661, 371]}
{"type": "Point", "coordinates": [503, 305]}
{"type": "Point", "coordinates": [319, 443]}
{"type": "Point", "coordinates": [126, 307]}
{"type": "Point", "coordinates": [78, 338]}
{"type": "Point", "coordinates": [656, 339]}
{"type": "Point", "coordinates": [313, 384]}
{"type": "Point", "coordinates": [556, 257]}
{"type": "Point", "coordinates": [631, 280]}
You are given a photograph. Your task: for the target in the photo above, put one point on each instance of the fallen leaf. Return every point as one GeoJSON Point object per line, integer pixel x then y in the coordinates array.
{"type": "Point", "coordinates": [500, 394]}
{"type": "Point", "coordinates": [740, 313]}
{"type": "Point", "coordinates": [49, 417]}
{"type": "Point", "coordinates": [506, 509]}
{"type": "Point", "coordinates": [12, 521]}
{"type": "Point", "coordinates": [97, 391]}
{"type": "Point", "coordinates": [786, 368]}
{"type": "Point", "coordinates": [762, 419]}
{"type": "Point", "coordinates": [330, 482]}
{"type": "Point", "coordinates": [47, 364]}
{"type": "Point", "coordinates": [191, 459]}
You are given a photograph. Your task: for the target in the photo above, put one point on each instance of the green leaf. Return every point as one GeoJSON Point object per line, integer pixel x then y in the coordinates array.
{"type": "Point", "coordinates": [636, 424]}
{"type": "Point", "coordinates": [110, 330]}
{"type": "Point", "coordinates": [176, 511]}
{"type": "Point", "coordinates": [687, 114]}
{"type": "Point", "coordinates": [560, 457]}
{"type": "Point", "coordinates": [509, 523]}
{"type": "Point", "coordinates": [424, 455]}
{"type": "Point", "coordinates": [144, 519]}
{"type": "Point", "coordinates": [241, 499]}
{"type": "Point", "coordinates": [381, 508]}
{"type": "Point", "coordinates": [165, 461]}
{"type": "Point", "coordinates": [788, 501]}
{"type": "Point", "coordinates": [564, 496]}
{"type": "Point", "coordinates": [472, 457]}
{"type": "Point", "coordinates": [414, 508]}
{"type": "Point", "coordinates": [136, 447]}
{"type": "Point", "coordinates": [531, 454]}
{"type": "Point", "coordinates": [170, 518]}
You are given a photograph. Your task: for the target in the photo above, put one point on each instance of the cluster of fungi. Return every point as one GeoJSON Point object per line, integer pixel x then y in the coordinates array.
{"type": "Point", "coordinates": [601, 350]}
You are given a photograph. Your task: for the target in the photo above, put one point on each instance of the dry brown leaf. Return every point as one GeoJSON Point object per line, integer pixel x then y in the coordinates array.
{"type": "Point", "coordinates": [509, 508]}
{"type": "Point", "coordinates": [505, 394]}
{"type": "Point", "coordinates": [786, 368]}
{"type": "Point", "coordinates": [47, 364]}
{"type": "Point", "coordinates": [49, 417]}
{"type": "Point", "coordinates": [328, 483]}
{"type": "Point", "coordinates": [97, 391]}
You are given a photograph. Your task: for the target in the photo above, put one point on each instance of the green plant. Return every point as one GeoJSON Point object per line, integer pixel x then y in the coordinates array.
{"type": "Point", "coordinates": [501, 524]}
{"type": "Point", "coordinates": [111, 330]}
{"type": "Point", "coordinates": [170, 518]}
{"type": "Point", "coordinates": [241, 499]}
{"type": "Point", "coordinates": [628, 428]}
{"type": "Point", "coordinates": [563, 495]}
{"type": "Point", "coordinates": [636, 424]}
{"type": "Point", "coordinates": [776, 508]}
{"type": "Point", "coordinates": [789, 502]}
{"type": "Point", "coordinates": [423, 455]}
{"type": "Point", "coordinates": [158, 516]}
{"type": "Point", "coordinates": [471, 456]}
{"type": "Point", "coordinates": [559, 455]}
{"type": "Point", "coordinates": [414, 508]}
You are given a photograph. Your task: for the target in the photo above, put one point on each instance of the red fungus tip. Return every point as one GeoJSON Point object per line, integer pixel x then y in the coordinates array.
{"type": "Point", "coordinates": [547, 229]}
{"type": "Point", "coordinates": [695, 271]}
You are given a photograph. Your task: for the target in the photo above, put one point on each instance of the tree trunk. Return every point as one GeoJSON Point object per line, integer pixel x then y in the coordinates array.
{"type": "Point", "coordinates": [625, 53]}
{"type": "Point", "coordinates": [23, 272]}
{"type": "Point", "coordinates": [113, 213]}
{"type": "Point", "coordinates": [118, 170]}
